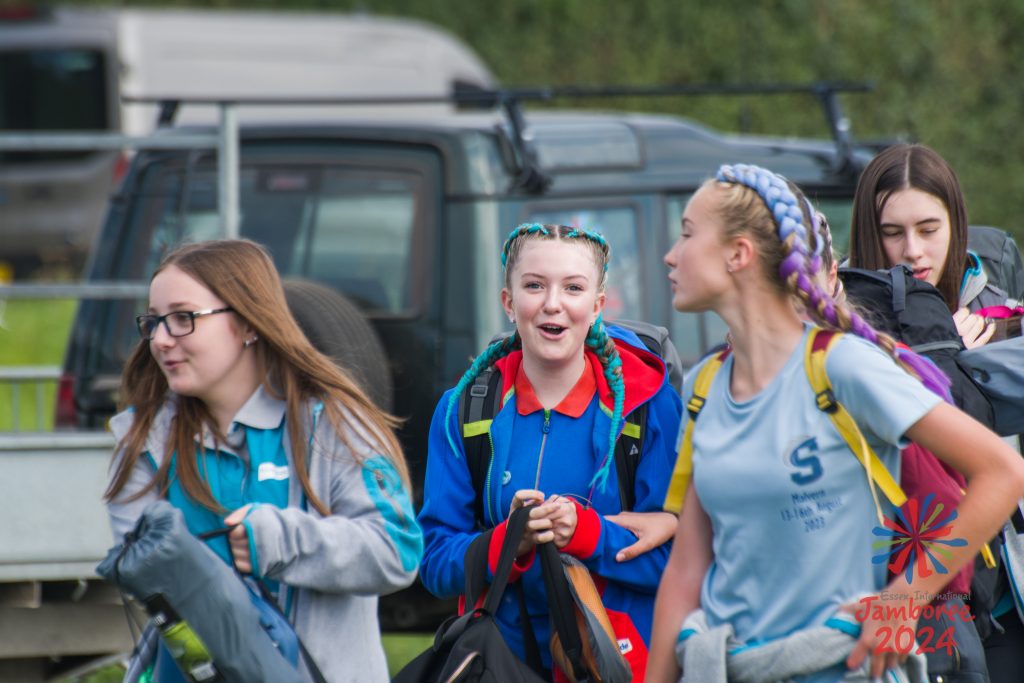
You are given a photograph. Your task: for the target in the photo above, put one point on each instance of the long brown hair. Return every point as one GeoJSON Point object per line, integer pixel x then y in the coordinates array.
{"type": "Point", "coordinates": [904, 167]}
{"type": "Point", "coordinates": [242, 274]}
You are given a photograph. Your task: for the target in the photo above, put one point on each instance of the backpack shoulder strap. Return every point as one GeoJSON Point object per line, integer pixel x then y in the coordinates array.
{"type": "Point", "coordinates": [628, 450]}
{"type": "Point", "coordinates": [478, 405]}
{"type": "Point", "coordinates": [683, 469]}
{"type": "Point", "coordinates": [819, 343]}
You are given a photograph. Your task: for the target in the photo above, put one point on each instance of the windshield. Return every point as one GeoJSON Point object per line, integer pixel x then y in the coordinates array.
{"type": "Point", "coordinates": [52, 89]}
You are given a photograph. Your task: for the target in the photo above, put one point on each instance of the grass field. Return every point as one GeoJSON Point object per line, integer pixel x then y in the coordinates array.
{"type": "Point", "coordinates": [34, 332]}
{"type": "Point", "coordinates": [401, 648]}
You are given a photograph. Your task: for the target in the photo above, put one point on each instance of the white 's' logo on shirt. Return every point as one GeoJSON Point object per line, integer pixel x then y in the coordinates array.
{"type": "Point", "coordinates": [269, 470]}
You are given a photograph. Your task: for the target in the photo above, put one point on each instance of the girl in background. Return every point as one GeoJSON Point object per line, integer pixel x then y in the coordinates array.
{"type": "Point", "coordinates": [908, 208]}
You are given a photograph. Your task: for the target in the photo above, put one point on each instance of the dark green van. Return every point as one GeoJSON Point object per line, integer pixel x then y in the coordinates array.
{"type": "Point", "coordinates": [404, 220]}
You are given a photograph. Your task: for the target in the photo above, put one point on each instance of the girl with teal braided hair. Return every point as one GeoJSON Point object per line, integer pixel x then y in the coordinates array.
{"type": "Point", "coordinates": [775, 556]}
{"type": "Point", "coordinates": [569, 385]}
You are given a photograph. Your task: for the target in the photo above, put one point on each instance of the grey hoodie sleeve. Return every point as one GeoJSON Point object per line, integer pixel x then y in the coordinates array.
{"type": "Point", "coordinates": [370, 543]}
{"type": "Point", "coordinates": [123, 513]}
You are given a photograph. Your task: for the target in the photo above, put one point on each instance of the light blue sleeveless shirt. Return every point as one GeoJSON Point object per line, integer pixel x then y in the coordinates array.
{"type": "Point", "coordinates": [252, 467]}
{"type": "Point", "coordinates": [789, 503]}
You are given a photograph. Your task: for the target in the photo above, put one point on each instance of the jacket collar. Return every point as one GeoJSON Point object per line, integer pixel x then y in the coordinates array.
{"type": "Point", "coordinates": [575, 402]}
{"type": "Point", "coordinates": [643, 371]}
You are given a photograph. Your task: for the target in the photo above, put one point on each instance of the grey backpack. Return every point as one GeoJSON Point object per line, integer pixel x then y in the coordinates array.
{"type": "Point", "coordinates": [161, 562]}
{"type": "Point", "coordinates": [998, 370]}
{"type": "Point", "coordinates": [1000, 258]}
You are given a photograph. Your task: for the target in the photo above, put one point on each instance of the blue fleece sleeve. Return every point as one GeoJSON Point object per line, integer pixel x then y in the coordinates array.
{"type": "Point", "coordinates": [643, 572]}
{"type": "Point", "coordinates": [447, 514]}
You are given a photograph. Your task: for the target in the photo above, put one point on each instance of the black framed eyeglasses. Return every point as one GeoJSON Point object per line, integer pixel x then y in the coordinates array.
{"type": "Point", "coordinates": [177, 323]}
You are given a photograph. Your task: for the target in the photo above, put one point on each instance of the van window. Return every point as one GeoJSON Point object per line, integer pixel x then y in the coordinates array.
{"type": "Point", "coordinates": [840, 215]}
{"type": "Point", "coordinates": [352, 229]}
{"type": "Point", "coordinates": [692, 333]}
{"type": "Point", "coordinates": [52, 89]}
{"type": "Point", "coordinates": [619, 226]}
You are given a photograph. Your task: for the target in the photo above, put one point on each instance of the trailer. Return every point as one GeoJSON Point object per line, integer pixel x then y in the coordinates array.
{"type": "Point", "coordinates": [82, 70]}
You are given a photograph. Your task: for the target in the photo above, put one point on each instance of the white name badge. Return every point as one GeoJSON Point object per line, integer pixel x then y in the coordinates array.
{"type": "Point", "coordinates": [269, 470]}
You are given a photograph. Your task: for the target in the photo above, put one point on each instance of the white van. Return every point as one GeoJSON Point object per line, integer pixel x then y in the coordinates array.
{"type": "Point", "coordinates": [68, 70]}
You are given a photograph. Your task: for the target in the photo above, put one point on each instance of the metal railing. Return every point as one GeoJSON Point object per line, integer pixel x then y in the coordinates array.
{"type": "Point", "coordinates": [225, 141]}
{"type": "Point", "coordinates": [16, 377]}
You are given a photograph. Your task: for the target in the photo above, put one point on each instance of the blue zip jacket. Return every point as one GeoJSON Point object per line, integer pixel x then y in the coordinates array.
{"type": "Point", "coordinates": [573, 450]}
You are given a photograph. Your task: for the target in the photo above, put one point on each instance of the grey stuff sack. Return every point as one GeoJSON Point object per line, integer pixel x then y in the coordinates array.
{"type": "Point", "coordinates": [998, 370]}
{"type": "Point", "coordinates": [161, 557]}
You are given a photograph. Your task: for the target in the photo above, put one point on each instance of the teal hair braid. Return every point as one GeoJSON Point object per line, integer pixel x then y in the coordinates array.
{"type": "Point", "coordinates": [563, 231]}
{"type": "Point", "coordinates": [491, 355]}
{"type": "Point", "coordinates": [604, 347]}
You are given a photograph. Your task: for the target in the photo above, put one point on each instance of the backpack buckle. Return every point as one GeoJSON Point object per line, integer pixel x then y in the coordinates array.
{"type": "Point", "coordinates": [478, 390]}
{"type": "Point", "coordinates": [827, 401]}
{"type": "Point", "coordinates": [694, 405]}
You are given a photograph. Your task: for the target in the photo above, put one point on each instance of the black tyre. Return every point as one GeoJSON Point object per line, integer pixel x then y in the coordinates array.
{"type": "Point", "coordinates": [338, 329]}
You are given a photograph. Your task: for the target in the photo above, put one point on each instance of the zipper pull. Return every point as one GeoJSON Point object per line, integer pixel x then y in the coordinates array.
{"type": "Point", "coordinates": [547, 421]}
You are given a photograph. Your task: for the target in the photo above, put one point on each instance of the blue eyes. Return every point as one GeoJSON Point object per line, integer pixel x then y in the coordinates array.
{"type": "Point", "coordinates": [537, 285]}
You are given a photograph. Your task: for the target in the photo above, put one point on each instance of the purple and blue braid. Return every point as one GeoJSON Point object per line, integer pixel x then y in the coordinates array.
{"type": "Point", "coordinates": [800, 266]}
{"type": "Point", "coordinates": [597, 338]}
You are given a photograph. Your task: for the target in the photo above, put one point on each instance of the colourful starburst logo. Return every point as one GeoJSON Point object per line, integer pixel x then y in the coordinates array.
{"type": "Point", "coordinates": [915, 538]}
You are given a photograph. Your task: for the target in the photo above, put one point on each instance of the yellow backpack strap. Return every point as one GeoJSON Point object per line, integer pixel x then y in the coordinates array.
{"type": "Point", "coordinates": [819, 342]}
{"type": "Point", "coordinates": [683, 469]}
{"type": "Point", "coordinates": [818, 345]}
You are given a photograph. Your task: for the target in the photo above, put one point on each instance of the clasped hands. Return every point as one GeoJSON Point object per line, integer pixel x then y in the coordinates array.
{"type": "Point", "coordinates": [554, 519]}
{"type": "Point", "coordinates": [551, 520]}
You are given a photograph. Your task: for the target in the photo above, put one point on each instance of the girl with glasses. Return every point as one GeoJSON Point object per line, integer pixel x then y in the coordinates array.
{"type": "Point", "coordinates": [234, 417]}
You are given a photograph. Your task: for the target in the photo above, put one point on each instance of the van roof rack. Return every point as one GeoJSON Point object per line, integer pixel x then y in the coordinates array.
{"type": "Point", "coordinates": [529, 175]}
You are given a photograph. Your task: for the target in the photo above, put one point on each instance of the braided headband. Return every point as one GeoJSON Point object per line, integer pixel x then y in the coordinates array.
{"type": "Point", "coordinates": [785, 209]}
{"type": "Point", "coordinates": [530, 228]}
{"type": "Point", "coordinates": [778, 197]}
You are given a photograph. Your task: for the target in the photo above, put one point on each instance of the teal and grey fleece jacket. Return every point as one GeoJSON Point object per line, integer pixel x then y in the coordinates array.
{"type": "Point", "coordinates": [331, 569]}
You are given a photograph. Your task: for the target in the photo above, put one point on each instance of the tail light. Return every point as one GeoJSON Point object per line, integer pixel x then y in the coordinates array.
{"type": "Point", "coordinates": [66, 415]}
{"type": "Point", "coordinates": [120, 167]}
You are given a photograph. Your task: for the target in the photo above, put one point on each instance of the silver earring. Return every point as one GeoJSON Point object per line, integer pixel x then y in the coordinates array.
{"type": "Point", "coordinates": [512, 319]}
{"type": "Point", "coordinates": [250, 342]}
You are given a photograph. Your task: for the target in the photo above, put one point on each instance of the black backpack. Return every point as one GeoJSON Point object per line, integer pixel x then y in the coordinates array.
{"type": "Point", "coordinates": [470, 647]}
{"type": "Point", "coordinates": [914, 312]}
{"type": "Point", "coordinates": [1000, 258]}
{"type": "Point", "coordinates": [480, 401]}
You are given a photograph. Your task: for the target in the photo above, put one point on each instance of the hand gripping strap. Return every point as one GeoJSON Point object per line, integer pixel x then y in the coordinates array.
{"type": "Point", "coordinates": [683, 470]}
{"type": "Point", "coordinates": [476, 564]}
{"type": "Point", "coordinates": [819, 342]}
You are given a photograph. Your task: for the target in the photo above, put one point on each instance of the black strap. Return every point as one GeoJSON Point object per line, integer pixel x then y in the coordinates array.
{"type": "Point", "coordinates": [899, 291]}
{"type": "Point", "coordinates": [1018, 520]}
{"type": "Point", "coordinates": [479, 401]}
{"type": "Point", "coordinates": [530, 647]}
{"type": "Point", "coordinates": [476, 562]}
{"type": "Point", "coordinates": [314, 670]}
{"type": "Point", "coordinates": [628, 450]}
{"type": "Point", "coordinates": [562, 608]}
